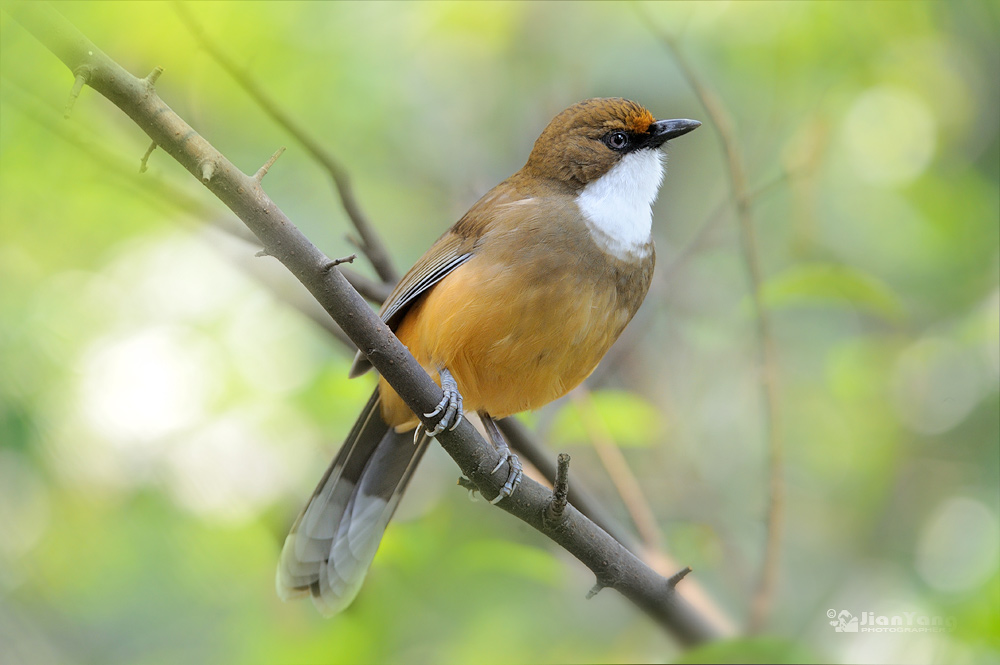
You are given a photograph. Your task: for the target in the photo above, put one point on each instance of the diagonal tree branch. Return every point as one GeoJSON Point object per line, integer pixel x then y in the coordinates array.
{"type": "Point", "coordinates": [371, 244]}
{"type": "Point", "coordinates": [613, 565]}
{"type": "Point", "coordinates": [237, 244]}
{"type": "Point", "coordinates": [230, 238]}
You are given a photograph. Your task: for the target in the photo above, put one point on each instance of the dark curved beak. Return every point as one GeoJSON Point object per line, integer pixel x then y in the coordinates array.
{"type": "Point", "coordinates": [662, 131]}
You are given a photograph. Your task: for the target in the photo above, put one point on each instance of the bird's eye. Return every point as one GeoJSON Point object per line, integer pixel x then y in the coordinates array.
{"type": "Point", "coordinates": [616, 140]}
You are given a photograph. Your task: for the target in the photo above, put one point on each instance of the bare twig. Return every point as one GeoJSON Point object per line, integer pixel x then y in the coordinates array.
{"type": "Point", "coordinates": [560, 492]}
{"type": "Point", "coordinates": [720, 120]}
{"type": "Point", "coordinates": [153, 75]}
{"type": "Point", "coordinates": [371, 244]}
{"type": "Point", "coordinates": [262, 171]}
{"type": "Point", "coordinates": [525, 443]}
{"type": "Point", "coordinates": [336, 262]}
{"type": "Point", "coordinates": [611, 563]}
{"type": "Point", "coordinates": [675, 579]}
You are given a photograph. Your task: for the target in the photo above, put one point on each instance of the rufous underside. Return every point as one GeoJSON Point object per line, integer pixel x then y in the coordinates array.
{"type": "Point", "coordinates": [525, 320]}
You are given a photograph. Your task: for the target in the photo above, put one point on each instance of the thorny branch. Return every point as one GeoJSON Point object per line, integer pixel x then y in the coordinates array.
{"type": "Point", "coordinates": [371, 244]}
{"type": "Point", "coordinates": [612, 564]}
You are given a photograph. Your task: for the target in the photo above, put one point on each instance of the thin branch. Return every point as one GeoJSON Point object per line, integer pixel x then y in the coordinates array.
{"type": "Point", "coordinates": [611, 563]}
{"type": "Point", "coordinates": [625, 482]}
{"type": "Point", "coordinates": [230, 238]}
{"type": "Point", "coordinates": [371, 244]}
{"type": "Point", "coordinates": [763, 596]}
{"type": "Point", "coordinates": [666, 279]}
{"type": "Point", "coordinates": [524, 442]}
{"type": "Point", "coordinates": [371, 289]}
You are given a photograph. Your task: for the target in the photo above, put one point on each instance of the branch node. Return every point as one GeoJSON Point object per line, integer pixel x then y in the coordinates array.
{"type": "Point", "coordinates": [152, 76]}
{"type": "Point", "coordinates": [560, 491]}
{"type": "Point", "coordinates": [674, 579]}
{"type": "Point", "coordinates": [262, 171]}
{"type": "Point", "coordinates": [82, 74]}
{"type": "Point", "coordinates": [145, 157]}
{"type": "Point", "coordinates": [596, 589]}
{"type": "Point", "coordinates": [336, 262]}
{"type": "Point", "coordinates": [207, 168]}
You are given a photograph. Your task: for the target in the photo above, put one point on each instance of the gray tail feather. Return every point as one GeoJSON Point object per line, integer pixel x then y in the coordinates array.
{"type": "Point", "coordinates": [335, 537]}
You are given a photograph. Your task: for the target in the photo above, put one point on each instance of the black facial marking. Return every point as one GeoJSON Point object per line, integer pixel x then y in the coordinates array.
{"type": "Point", "coordinates": [623, 142]}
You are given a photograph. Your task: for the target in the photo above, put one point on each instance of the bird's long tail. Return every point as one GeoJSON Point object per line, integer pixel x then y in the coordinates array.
{"type": "Point", "coordinates": [334, 539]}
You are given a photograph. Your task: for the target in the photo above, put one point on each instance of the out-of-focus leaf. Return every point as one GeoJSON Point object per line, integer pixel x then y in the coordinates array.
{"type": "Point", "coordinates": [630, 420]}
{"type": "Point", "coordinates": [831, 284]}
{"type": "Point", "coordinates": [502, 556]}
{"type": "Point", "coordinates": [754, 650]}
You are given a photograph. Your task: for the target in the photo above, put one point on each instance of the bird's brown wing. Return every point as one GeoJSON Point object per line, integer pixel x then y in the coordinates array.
{"type": "Point", "coordinates": [449, 252]}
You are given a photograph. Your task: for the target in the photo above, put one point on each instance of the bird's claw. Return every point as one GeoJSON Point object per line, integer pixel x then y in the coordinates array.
{"type": "Point", "coordinates": [516, 471]}
{"type": "Point", "coordinates": [449, 408]}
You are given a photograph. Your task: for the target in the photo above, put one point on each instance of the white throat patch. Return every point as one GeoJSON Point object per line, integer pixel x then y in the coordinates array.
{"type": "Point", "coordinates": [617, 206]}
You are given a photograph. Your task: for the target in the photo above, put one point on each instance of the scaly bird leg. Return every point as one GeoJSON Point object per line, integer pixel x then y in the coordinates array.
{"type": "Point", "coordinates": [450, 408]}
{"type": "Point", "coordinates": [516, 470]}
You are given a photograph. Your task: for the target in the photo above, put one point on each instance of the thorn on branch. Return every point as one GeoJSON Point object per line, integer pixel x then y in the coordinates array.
{"type": "Point", "coordinates": [472, 488]}
{"type": "Point", "coordinates": [262, 252]}
{"type": "Point", "coordinates": [673, 580]}
{"type": "Point", "coordinates": [262, 171]}
{"type": "Point", "coordinates": [596, 589]}
{"type": "Point", "coordinates": [152, 76]}
{"type": "Point", "coordinates": [560, 492]}
{"type": "Point", "coordinates": [145, 157]}
{"type": "Point", "coordinates": [336, 262]}
{"type": "Point", "coordinates": [207, 167]}
{"type": "Point", "coordinates": [82, 77]}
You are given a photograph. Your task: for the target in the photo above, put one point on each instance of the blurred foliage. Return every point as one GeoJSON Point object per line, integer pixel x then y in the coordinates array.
{"type": "Point", "coordinates": [163, 415]}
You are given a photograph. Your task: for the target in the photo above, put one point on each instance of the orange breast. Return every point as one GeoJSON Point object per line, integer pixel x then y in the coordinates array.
{"type": "Point", "coordinates": [513, 338]}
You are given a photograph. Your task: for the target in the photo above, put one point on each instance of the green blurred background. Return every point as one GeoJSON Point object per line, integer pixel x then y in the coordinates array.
{"type": "Point", "coordinates": [163, 414]}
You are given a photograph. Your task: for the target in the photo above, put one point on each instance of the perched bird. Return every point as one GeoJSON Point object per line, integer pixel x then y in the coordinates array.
{"type": "Point", "coordinates": [511, 308]}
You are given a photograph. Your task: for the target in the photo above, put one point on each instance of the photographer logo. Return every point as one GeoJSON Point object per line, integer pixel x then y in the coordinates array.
{"type": "Point", "coordinates": [845, 621]}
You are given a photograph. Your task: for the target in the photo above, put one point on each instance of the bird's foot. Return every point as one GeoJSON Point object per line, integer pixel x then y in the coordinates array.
{"type": "Point", "coordinates": [515, 470]}
{"type": "Point", "coordinates": [449, 408]}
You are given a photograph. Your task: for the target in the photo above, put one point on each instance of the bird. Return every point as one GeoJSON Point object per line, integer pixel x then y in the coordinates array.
{"type": "Point", "coordinates": [510, 309]}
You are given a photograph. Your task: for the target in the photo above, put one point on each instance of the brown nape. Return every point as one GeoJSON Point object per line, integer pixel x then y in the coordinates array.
{"type": "Point", "coordinates": [571, 149]}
